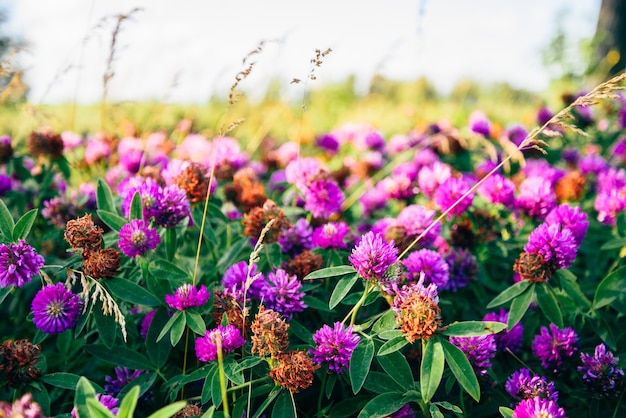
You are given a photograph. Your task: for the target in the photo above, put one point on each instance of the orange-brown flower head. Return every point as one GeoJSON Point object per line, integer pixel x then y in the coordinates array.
{"type": "Point", "coordinates": [400, 237]}
{"type": "Point", "coordinates": [417, 310]}
{"type": "Point", "coordinates": [246, 191]}
{"type": "Point", "coordinates": [45, 144]}
{"type": "Point", "coordinates": [224, 304]}
{"type": "Point", "coordinates": [462, 234]}
{"type": "Point", "coordinates": [570, 187]}
{"type": "Point", "coordinates": [304, 263]}
{"type": "Point", "coordinates": [18, 360]}
{"type": "Point", "coordinates": [532, 267]}
{"type": "Point", "coordinates": [190, 410]}
{"type": "Point", "coordinates": [194, 179]}
{"type": "Point", "coordinates": [82, 233]}
{"type": "Point", "coordinates": [269, 333]}
{"type": "Point", "coordinates": [294, 371]}
{"type": "Point", "coordinates": [102, 263]}
{"type": "Point", "coordinates": [255, 220]}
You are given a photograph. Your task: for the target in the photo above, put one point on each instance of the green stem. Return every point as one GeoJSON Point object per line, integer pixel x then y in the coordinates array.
{"type": "Point", "coordinates": [250, 383]}
{"type": "Point", "coordinates": [220, 365]}
{"type": "Point", "coordinates": [322, 390]}
{"type": "Point", "coordinates": [355, 309]}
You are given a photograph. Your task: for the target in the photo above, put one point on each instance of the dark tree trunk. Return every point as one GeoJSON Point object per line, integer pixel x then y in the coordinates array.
{"type": "Point", "coordinates": [610, 38]}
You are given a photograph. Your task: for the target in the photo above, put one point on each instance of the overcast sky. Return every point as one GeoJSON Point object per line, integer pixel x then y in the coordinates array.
{"type": "Point", "coordinates": [188, 50]}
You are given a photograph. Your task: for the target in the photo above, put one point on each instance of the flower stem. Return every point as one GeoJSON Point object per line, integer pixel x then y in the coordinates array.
{"type": "Point", "coordinates": [355, 309]}
{"type": "Point", "coordinates": [220, 365]}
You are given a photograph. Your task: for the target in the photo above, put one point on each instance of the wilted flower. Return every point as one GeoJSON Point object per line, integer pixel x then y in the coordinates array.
{"type": "Point", "coordinates": [56, 309]}
{"type": "Point", "coordinates": [334, 346]}
{"type": "Point", "coordinates": [18, 362]}
{"type": "Point", "coordinates": [303, 264]}
{"type": "Point", "coordinates": [45, 143]}
{"type": "Point", "coordinates": [294, 371]}
{"type": "Point", "coordinates": [188, 296]}
{"type": "Point", "coordinates": [82, 233]}
{"type": "Point", "coordinates": [102, 263]}
{"type": "Point", "coordinates": [137, 237]}
{"type": "Point", "coordinates": [554, 345]}
{"type": "Point", "coordinates": [417, 310]}
{"type": "Point", "coordinates": [600, 372]}
{"type": "Point", "coordinates": [269, 333]}
{"type": "Point", "coordinates": [230, 338]}
{"type": "Point", "coordinates": [18, 264]}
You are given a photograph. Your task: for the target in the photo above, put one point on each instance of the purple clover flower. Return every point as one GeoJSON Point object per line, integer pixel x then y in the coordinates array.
{"type": "Point", "coordinates": [523, 384]}
{"type": "Point", "coordinates": [123, 376]}
{"type": "Point", "coordinates": [108, 401]}
{"type": "Point", "coordinates": [18, 264]}
{"type": "Point", "coordinates": [479, 123]}
{"type": "Point", "coordinates": [538, 408]}
{"type": "Point", "coordinates": [283, 293]}
{"type": "Point", "coordinates": [516, 134]}
{"type": "Point", "coordinates": [608, 204]}
{"type": "Point", "coordinates": [145, 324]}
{"type": "Point", "coordinates": [542, 168]}
{"type": "Point", "coordinates": [571, 218]}
{"type": "Point", "coordinates": [592, 164]}
{"type": "Point", "coordinates": [430, 264]}
{"type": "Point", "coordinates": [172, 207]}
{"type": "Point", "coordinates": [297, 238]}
{"type": "Point", "coordinates": [556, 244]}
{"type": "Point", "coordinates": [55, 309]}
{"type": "Point", "coordinates": [372, 256]}
{"type": "Point", "coordinates": [415, 219]}
{"type": "Point", "coordinates": [23, 407]}
{"type": "Point", "coordinates": [600, 372]}
{"type": "Point", "coordinates": [463, 268]}
{"type": "Point", "coordinates": [429, 178]}
{"type": "Point", "coordinates": [234, 281]}
{"type": "Point", "coordinates": [536, 197]}
{"type": "Point", "coordinates": [323, 197]}
{"type": "Point", "coordinates": [334, 346]}
{"type": "Point", "coordinates": [554, 345]}
{"type": "Point", "coordinates": [498, 189]}
{"type": "Point", "coordinates": [206, 346]}
{"type": "Point", "coordinates": [450, 191]}
{"type": "Point", "coordinates": [512, 339]}
{"type": "Point", "coordinates": [137, 237]}
{"type": "Point", "coordinates": [149, 191]}
{"type": "Point", "coordinates": [330, 235]}
{"type": "Point", "coordinates": [479, 351]}
{"type": "Point", "coordinates": [187, 296]}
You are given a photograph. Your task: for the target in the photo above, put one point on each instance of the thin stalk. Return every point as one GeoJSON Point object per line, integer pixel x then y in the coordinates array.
{"type": "Point", "coordinates": [322, 390]}
{"type": "Point", "coordinates": [182, 390]}
{"type": "Point", "coordinates": [355, 309]}
{"type": "Point", "coordinates": [220, 365]}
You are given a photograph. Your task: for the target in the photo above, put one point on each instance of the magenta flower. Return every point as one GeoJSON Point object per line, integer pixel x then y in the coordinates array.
{"type": "Point", "coordinates": [609, 203]}
{"type": "Point", "coordinates": [536, 197]}
{"type": "Point", "coordinates": [172, 207]}
{"type": "Point", "coordinates": [479, 123]}
{"type": "Point", "coordinates": [463, 268]}
{"type": "Point", "coordinates": [145, 324]}
{"type": "Point", "coordinates": [23, 407]}
{"type": "Point", "coordinates": [600, 372]}
{"type": "Point", "coordinates": [452, 190]}
{"type": "Point", "coordinates": [498, 189]}
{"type": "Point", "coordinates": [431, 177]}
{"type": "Point", "coordinates": [415, 219]}
{"type": "Point", "coordinates": [297, 238]}
{"type": "Point", "coordinates": [554, 345]}
{"type": "Point", "coordinates": [571, 218]}
{"type": "Point", "coordinates": [330, 235]}
{"type": "Point", "coordinates": [137, 237]}
{"type": "Point", "coordinates": [557, 245]}
{"type": "Point", "coordinates": [334, 346]}
{"type": "Point", "coordinates": [322, 197]}
{"type": "Point", "coordinates": [122, 377]}
{"type": "Point", "coordinates": [230, 337]}
{"type": "Point", "coordinates": [187, 296]}
{"type": "Point", "coordinates": [148, 190]}
{"type": "Point", "coordinates": [479, 351]}
{"type": "Point", "coordinates": [523, 384]}
{"type": "Point", "coordinates": [283, 293]}
{"type": "Point", "coordinates": [234, 281]}
{"type": "Point", "coordinates": [430, 264]}
{"type": "Point", "coordinates": [372, 256]}
{"type": "Point", "coordinates": [55, 309]}
{"type": "Point", "coordinates": [538, 408]}
{"type": "Point", "coordinates": [18, 264]}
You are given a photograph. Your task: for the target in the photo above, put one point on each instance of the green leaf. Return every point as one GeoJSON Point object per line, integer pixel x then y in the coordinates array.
{"type": "Point", "coordinates": [397, 367]}
{"type": "Point", "coordinates": [341, 290]}
{"type": "Point", "coordinates": [84, 391]}
{"type": "Point", "coordinates": [386, 322]}
{"type": "Point", "coordinates": [378, 382]}
{"type": "Point", "coordinates": [136, 207]}
{"type": "Point", "coordinates": [248, 364]}
{"type": "Point", "coordinates": [40, 396]}
{"type": "Point", "coordinates": [506, 412]}
{"type": "Point", "coordinates": [610, 288]}
{"type": "Point", "coordinates": [473, 328]}
{"type": "Point", "coordinates": [6, 220]}
{"type": "Point", "coordinates": [120, 356]}
{"type": "Point", "coordinates": [4, 292]}
{"type": "Point", "coordinates": [548, 304]}
{"type": "Point", "coordinates": [461, 369]}
{"type": "Point", "coordinates": [113, 220]}
{"type": "Point", "coordinates": [131, 292]}
{"type": "Point", "coordinates": [330, 272]}
{"type": "Point", "coordinates": [232, 371]}
{"type": "Point", "coordinates": [97, 410]}
{"type": "Point", "coordinates": [568, 282]}
{"type": "Point", "coordinates": [231, 255]}
{"type": "Point", "coordinates": [270, 398]}
{"type": "Point", "coordinates": [315, 303]}
{"type": "Point", "coordinates": [509, 293]}
{"type": "Point", "coordinates": [519, 306]}
{"type": "Point", "coordinates": [62, 380]}
{"type": "Point", "coordinates": [360, 363]}
{"type": "Point", "coordinates": [431, 370]}
{"type": "Point", "coordinates": [449, 407]}
{"type": "Point", "coordinates": [170, 243]}
{"type": "Point", "coordinates": [346, 407]}
{"type": "Point", "coordinates": [195, 322]}
{"type": "Point", "coordinates": [382, 405]}
{"type": "Point", "coordinates": [106, 325]}
{"type": "Point", "coordinates": [178, 328]}
{"type": "Point", "coordinates": [206, 387]}
{"type": "Point", "coordinates": [300, 331]}
{"type": "Point", "coordinates": [613, 244]}
{"type": "Point", "coordinates": [24, 224]}
{"type": "Point", "coordinates": [143, 382]}
{"type": "Point", "coordinates": [392, 345]}
{"type": "Point", "coordinates": [170, 323]}
{"type": "Point", "coordinates": [104, 197]}
{"type": "Point", "coordinates": [64, 167]}
{"type": "Point", "coordinates": [163, 269]}
{"type": "Point", "coordinates": [284, 406]}
{"type": "Point", "coordinates": [169, 410]}
{"type": "Point", "coordinates": [129, 403]}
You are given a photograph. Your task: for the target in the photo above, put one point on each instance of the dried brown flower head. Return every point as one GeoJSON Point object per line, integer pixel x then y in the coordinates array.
{"type": "Point", "coordinates": [102, 263]}
{"type": "Point", "coordinates": [400, 237]}
{"type": "Point", "coordinates": [224, 304]}
{"type": "Point", "coordinates": [531, 267]}
{"type": "Point", "coordinates": [462, 234]}
{"type": "Point", "coordinates": [294, 371]}
{"type": "Point", "coordinates": [45, 144]}
{"type": "Point", "coordinates": [419, 317]}
{"type": "Point", "coordinates": [18, 360]}
{"type": "Point", "coordinates": [570, 187]}
{"type": "Point", "coordinates": [190, 410]}
{"type": "Point", "coordinates": [6, 150]}
{"type": "Point", "coordinates": [195, 181]}
{"type": "Point", "coordinates": [303, 264]}
{"type": "Point", "coordinates": [255, 220]}
{"type": "Point", "coordinates": [246, 191]}
{"type": "Point", "coordinates": [82, 233]}
{"type": "Point", "coordinates": [269, 333]}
